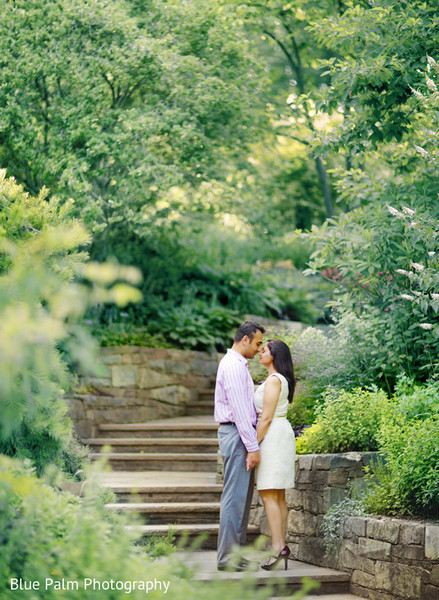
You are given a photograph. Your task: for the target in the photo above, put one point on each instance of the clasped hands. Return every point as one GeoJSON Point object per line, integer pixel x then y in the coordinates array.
{"type": "Point", "coordinates": [253, 459]}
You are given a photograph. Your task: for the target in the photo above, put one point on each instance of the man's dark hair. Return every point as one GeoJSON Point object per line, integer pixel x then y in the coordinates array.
{"type": "Point", "coordinates": [248, 328]}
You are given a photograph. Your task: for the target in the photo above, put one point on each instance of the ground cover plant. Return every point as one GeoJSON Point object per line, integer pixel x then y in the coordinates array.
{"type": "Point", "coordinates": [50, 536]}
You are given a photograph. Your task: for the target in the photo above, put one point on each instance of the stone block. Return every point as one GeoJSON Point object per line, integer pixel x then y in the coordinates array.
{"type": "Point", "coordinates": [432, 541]}
{"type": "Point", "coordinates": [338, 477]}
{"type": "Point", "coordinates": [405, 581]}
{"type": "Point", "coordinates": [409, 552]}
{"type": "Point", "coordinates": [304, 477]}
{"type": "Point", "coordinates": [83, 428]}
{"type": "Point", "coordinates": [255, 515]}
{"type": "Point", "coordinates": [374, 549]}
{"type": "Point", "coordinates": [322, 462]}
{"type": "Point", "coordinates": [132, 359]}
{"type": "Point", "coordinates": [434, 576]}
{"type": "Point", "coordinates": [345, 461]}
{"type": "Point", "coordinates": [306, 461]}
{"type": "Point", "coordinates": [294, 498]}
{"type": "Point", "coordinates": [176, 367]}
{"type": "Point", "coordinates": [156, 365]}
{"type": "Point", "coordinates": [402, 580]}
{"type": "Point", "coordinates": [176, 395]}
{"type": "Point", "coordinates": [320, 477]}
{"type": "Point", "coordinates": [355, 526]}
{"type": "Point", "coordinates": [123, 375]}
{"type": "Point", "coordinates": [363, 579]}
{"type": "Point", "coordinates": [332, 496]}
{"type": "Point", "coordinates": [148, 379]}
{"type": "Point", "coordinates": [301, 522]}
{"type": "Point", "coordinates": [313, 503]}
{"type": "Point", "coordinates": [311, 550]}
{"type": "Point", "coordinates": [111, 359]}
{"type": "Point", "coordinates": [75, 408]}
{"type": "Point", "coordinates": [430, 592]}
{"type": "Point", "coordinates": [411, 533]}
{"type": "Point", "coordinates": [385, 530]}
{"type": "Point", "coordinates": [206, 368]}
{"type": "Point", "coordinates": [372, 594]}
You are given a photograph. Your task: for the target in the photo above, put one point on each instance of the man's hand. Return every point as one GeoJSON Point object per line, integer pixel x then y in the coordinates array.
{"type": "Point", "coordinates": [253, 459]}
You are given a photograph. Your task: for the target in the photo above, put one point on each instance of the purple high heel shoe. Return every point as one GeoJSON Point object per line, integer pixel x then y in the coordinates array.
{"type": "Point", "coordinates": [269, 564]}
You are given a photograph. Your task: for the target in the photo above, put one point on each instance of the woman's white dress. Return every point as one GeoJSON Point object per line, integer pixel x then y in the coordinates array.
{"type": "Point", "coordinates": [278, 448]}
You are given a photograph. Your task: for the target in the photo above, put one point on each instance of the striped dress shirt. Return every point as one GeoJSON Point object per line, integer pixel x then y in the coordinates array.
{"type": "Point", "coordinates": [234, 392]}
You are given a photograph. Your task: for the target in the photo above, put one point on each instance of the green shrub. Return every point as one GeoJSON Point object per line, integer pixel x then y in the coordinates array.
{"type": "Point", "coordinates": [346, 421]}
{"type": "Point", "coordinates": [47, 534]}
{"type": "Point", "coordinates": [417, 401]}
{"type": "Point", "coordinates": [127, 334]}
{"type": "Point", "coordinates": [408, 482]}
{"type": "Point", "coordinates": [46, 284]}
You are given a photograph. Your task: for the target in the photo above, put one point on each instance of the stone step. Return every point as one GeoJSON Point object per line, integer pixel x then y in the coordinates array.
{"type": "Point", "coordinates": [331, 597]}
{"type": "Point", "coordinates": [173, 445]}
{"type": "Point", "coordinates": [159, 430]}
{"type": "Point", "coordinates": [204, 535]}
{"type": "Point", "coordinates": [165, 513]}
{"type": "Point", "coordinates": [283, 583]}
{"type": "Point", "coordinates": [168, 494]}
{"type": "Point", "coordinates": [162, 486]}
{"type": "Point", "coordinates": [199, 408]}
{"type": "Point", "coordinates": [157, 461]}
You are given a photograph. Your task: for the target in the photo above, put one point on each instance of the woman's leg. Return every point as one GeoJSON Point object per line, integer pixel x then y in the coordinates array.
{"type": "Point", "coordinates": [273, 510]}
{"type": "Point", "coordinates": [284, 512]}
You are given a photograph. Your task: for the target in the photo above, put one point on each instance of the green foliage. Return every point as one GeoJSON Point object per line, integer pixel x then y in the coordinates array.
{"type": "Point", "coordinates": [408, 481]}
{"type": "Point", "coordinates": [333, 522]}
{"type": "Point", "coordinates": [45, 289]}
{"type": "Point", "coordinates": [46, 534]}
{"type": "Point", "coordinates": [197, 326]}
{"type": "Point", "coordinates": [385, 267]}
{"type": "Point", "coordinates": [379, 52]}
{"type": "Point", "coordinates": [127, 334]}
{"type": "Point", "coordinates": [346, 421]}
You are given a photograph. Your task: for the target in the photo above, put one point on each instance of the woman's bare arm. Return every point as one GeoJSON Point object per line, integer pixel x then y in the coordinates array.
{"type": "Point", "coordinates": [271, 397]}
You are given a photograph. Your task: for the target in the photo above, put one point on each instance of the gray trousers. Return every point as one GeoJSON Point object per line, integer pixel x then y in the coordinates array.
{"type": "Point", "coordinates": [237, 493]}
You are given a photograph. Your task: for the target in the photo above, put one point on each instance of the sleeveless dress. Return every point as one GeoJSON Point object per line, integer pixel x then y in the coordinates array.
{"type": "Point", "coordinates": [278, 448]}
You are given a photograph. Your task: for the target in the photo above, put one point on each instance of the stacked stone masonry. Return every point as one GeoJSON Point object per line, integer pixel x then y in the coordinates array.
{"type": "Point", "coordinates": [138, 384]}
{"type": "Point", "coordinates": [388, 558]}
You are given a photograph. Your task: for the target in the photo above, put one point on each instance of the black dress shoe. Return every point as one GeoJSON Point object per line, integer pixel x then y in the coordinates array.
{"type": "Point", "coordinates": [242, 565]}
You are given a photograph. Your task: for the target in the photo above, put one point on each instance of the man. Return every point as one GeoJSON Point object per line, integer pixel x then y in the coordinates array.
{"type": "Point", "coordinates": [236, 415]}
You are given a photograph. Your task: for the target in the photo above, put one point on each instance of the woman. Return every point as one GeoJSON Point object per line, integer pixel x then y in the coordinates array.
{"type": "Point", "coordinates": [275, 473]}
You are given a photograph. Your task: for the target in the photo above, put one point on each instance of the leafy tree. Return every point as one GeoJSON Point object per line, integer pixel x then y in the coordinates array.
{"type": "Point", "coordinates": [45, 287]}
{"type": "Point", "coordinates": [380, 53]}
{"type": "Point", "coordinates": [296, 74]}
{"type": "Point", "coordinates": [115, 102]}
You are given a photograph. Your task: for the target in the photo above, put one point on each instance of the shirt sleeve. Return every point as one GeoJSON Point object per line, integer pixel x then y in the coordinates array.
{"type": "Point", "coordinates": [235, 379]}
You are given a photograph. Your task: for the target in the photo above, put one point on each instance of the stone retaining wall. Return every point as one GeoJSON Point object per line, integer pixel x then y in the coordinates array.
{"type": "Point", "coordinates": [389, 558]}
{"type": "Point", "coordinates": [140, 384]}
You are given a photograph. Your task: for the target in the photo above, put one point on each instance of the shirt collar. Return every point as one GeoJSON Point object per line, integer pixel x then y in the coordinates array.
{"type": "Point", "coordinates": [238, 356]}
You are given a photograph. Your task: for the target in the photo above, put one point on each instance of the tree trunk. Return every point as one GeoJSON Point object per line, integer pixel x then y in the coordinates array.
{"type": "Point", "coordinates": [324, 182]}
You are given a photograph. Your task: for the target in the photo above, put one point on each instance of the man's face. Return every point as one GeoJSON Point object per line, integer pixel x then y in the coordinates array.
{"type": "Point", "coordinates": [253, 346]}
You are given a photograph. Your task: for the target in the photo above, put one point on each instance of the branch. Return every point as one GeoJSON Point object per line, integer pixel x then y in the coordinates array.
{"type": "Point", "coordinates": [113, 93]}
{"type": "Point", "coordinates": [283, 48]}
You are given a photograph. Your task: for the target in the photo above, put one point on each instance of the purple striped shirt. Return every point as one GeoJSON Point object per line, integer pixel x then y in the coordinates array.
{"type": "Point", "coordinates": [234, 392]}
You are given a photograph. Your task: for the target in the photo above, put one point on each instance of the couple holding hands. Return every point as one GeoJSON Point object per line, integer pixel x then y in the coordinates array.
{"type": "Point", "coordinates": [254, 432]}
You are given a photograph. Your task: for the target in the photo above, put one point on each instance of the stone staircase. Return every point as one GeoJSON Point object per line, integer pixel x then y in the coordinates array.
{"type": "Point", "coordinates": [164, 472]}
